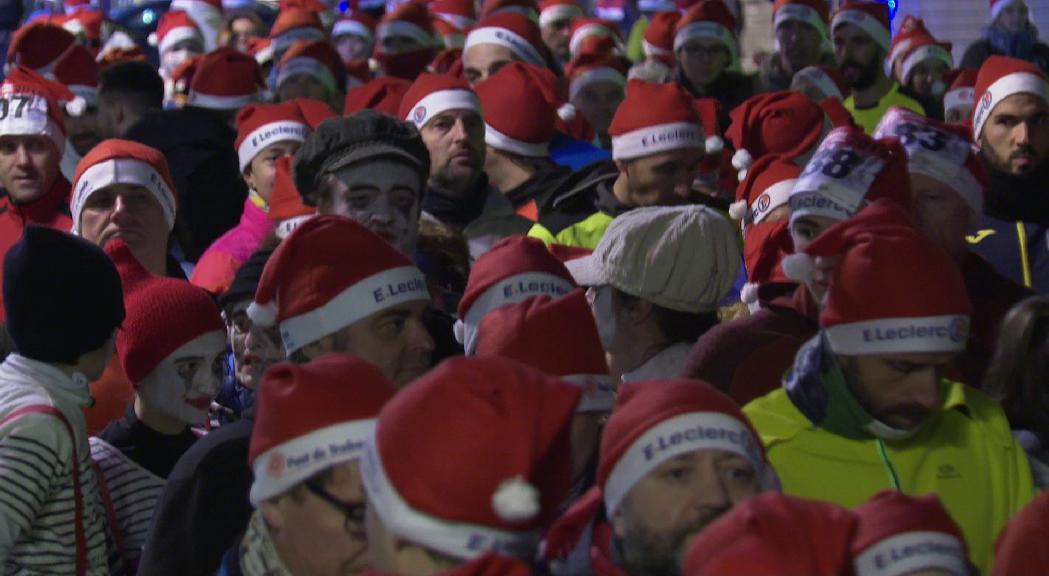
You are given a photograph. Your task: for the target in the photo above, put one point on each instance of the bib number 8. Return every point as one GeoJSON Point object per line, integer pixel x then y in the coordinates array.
{"type": "Point", "coordinates": [837, 163]}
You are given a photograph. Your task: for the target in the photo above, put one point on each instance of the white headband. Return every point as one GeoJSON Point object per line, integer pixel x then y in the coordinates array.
{"type": "Point", "coordinates": [122, 171]}
{"type": "Point", "coordinates": [504, 37]}
{"type": "Point", "coordinates": [1002, 88]}
{"type": "Point", "coordinates": [656, 139]}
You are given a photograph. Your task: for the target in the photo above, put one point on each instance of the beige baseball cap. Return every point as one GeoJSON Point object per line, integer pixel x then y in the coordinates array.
{"type": "Point", "coordinates": [683, 258]}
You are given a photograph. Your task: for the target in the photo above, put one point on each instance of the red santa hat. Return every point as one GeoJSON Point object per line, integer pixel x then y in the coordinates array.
{"type": "Point", "coordinates": [1020, 548]}
{"type": "Point", "coordinates": [773, 534]}
{"type": "Point", "coordinates": [310, 417]}
{"type": "Point", "coordinates": [383, 94]}
{"type": "Point", "coordinates": [356, 24]}
{"type": "Point", "coordinates": [785, 123]}
{"type": "Point", "coordinates": [710, 19]}
{"type": "Point", "coordinates": [835, 189]}
{"type": "Point", "coordinates": [586, 69]}
{"type": "Point", "coordinates": [86, 24]}
{"type": "Point", "coordinates": [871, 306]}
{"type": "Point", "coordinates": [510, 30]}
{"type": "Point", "coordinates": [261, 49]}
{"type": "Point", "coordinates": [39, 46]}
{"type": "Point", "coordinates": [940, 151]}
{"type": "Point", "coordinates": [551, 11]}
{"type": "Point", "coordinates": [317, 6]}
{"type": "Point", "coordinates": [900, 534]}
{"type": "Point", "coordinates": [410, 20]}
{"type": "Point", "coordinates": [78, 70]}
{"type": "Point", "coordinates": [870, 16]}
{"type": "Point", "coordinates": [998, 5]}
{"type": "Point", "coordinates": [658, 42]}
{"type": "Point", "coordinates": [513, 418]}
{"type": "Point", "coordinates": [961, 90]}
{"type": "Point", "coordinates": [999, 78]}
{"type": "Point", "coordinates": [767, 186]}
{"type": "Point", "coordinates": [182, 75]}
{"type": "Point", "coordinates": [652, 119]}
{"type": "Point", "coordinates": [358, 72]}
{"type": "Point", "coordinates": [815, 13]}
{"type": "Point", "coordinates": [286, 208]}
{"type": "Point", "coordinates": [40, 100]}
{"type": "Point", "coordinates": [74, 6]}
{"type": "Point", "coordinates": [259, 125]}
{"type": "Point", "coordinates": [308, 290]}
{"type": "Point", "coordinates": [520, 109]}
{"type": "Point", "coordinates": [516, 268]}
{"type": "Point", "coordinates": [163, 314]}
{"type": "Point", "coordinates": [226, 80]}
{"type": "Point", "coordinates": [583, 28]}
{"type": "Point", "coordinates": [316, 59]}
{"type": "Point", "coordinates": [451, 35]}
{"type": "Point", "coordinates": [175, 27]}
{"type": "Point", "coordinates": [708, 110]}
{"type": "Point", "coordinates": [538, 330]}
{"type": "Point", "coordinates": [295, 24]}
{"type": "Point", "coordinates": [458, 13]}
{"type": "Point", "coordinates": [827, 79]}
{"type": "Point", "coordinates": [527, 8]}
{"type": "Point", "coordinates": [433, 94]}
{"type": "Point", "coordinates": [912, 45]}
{"type": "Point", "coordinates": [116, 161]}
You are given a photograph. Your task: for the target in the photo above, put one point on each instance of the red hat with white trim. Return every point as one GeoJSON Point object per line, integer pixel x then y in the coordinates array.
{"type": "Point", "coordinates": [433, 94]}
{"type": "Point", "coordinates": [39, 46]}
{"type": "Point", "coordinates": [583, 28]}
{"type": "Point", "coordinates": [516, 268]}
{"type": "Point", "coordinates": [411, 20]}
{"type": "Point", "coordinates": [358, 72]}
{"type": "Point", "coordinates": [226, 80]}
{"type": "Point", "coordinates": [940, 151]}
{"type": "Point", "coordinates": [912, 45]}
{"type": "Point", "coordinates": [586, 69]}
{"type": "Point", "coordinates": [458, 13]}
{"type": "Point", "coordinates": [652, 119]}
{"type": "Point", "coordinates": [511, 30]}
{"type": "Point", "coordinates": [551, 11]}
{"type": "Point", "coordinates": [512, 418]}
{"type": "Point", "coordinates": [355, 24]}
{"type": "Point", "coordinates": [815, 13]}
{"type": "Point", "coordinates": [870, 16]}
{"type": "Point", "coordinates": [709, 19]}
{"type": "Point", "coordinates": [175, 27]}
{"type": "Point", "coordinates": [709, 110]}
{"type": "Point", "coordinates": [999, 78]}
{"type": "Point", "coordinates": [163, 314]}
{"type": "Point", "coordinates": [78, 70]}
{"type": "Point", "coordinates": [871, 306]}
{"type": "Point", "coordinates": [826, 78]}
{"type": "Point", "coordinates": [116, 161]}
{"type": "Point", "coordinates": [961, 91]}
{"type": "Point", "coordinates": [40, 101]}
{"type": "Point", "coordinates": [527, 8]}
{"type": "Point", "coordinates": [261, 49]}
{"type": "Point", "coordinates": [520, 109]}
{"type": "Point", "coordinates": [316, 59]}
{"type": "Point", "coordinates": [451, 35]}
{"type": "Point", "coordinates": [309, 291]}
{"type": "Point", "coordinates": [287, 210]}
{"type": "Point", "coordinates": [900, 534]}
{"type": "Point", "coordinates": [295, 24]}
{"type": "Point", "coordinates": [260, 125]}
{"type": "Point", "coordinates": [537, 331]}
{"type": "Point", "coordinates": [311, 5]}
{"type": "Point", "coordinates": [998, 5]}
{"type": "Point", "coordinates": [786, 123]}
{"type": "Point", "coordinates": [767, 186]}
{"type": "Point", "coordinates": [310, 417]}
{"type": "Point", "coordinates": [383, 94]}
{"type": "Point", "coordinates": [772, 534]}
{"type": "Point", "coordinates": [658, 40]}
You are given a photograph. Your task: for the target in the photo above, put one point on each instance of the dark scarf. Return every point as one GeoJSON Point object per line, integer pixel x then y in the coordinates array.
{"type": "Point", "coordinates": [1024, 198]}
{"type": "Point", "coordinates": [453, 209]}
{"type": "Point", "coordinates": [1013, 44]}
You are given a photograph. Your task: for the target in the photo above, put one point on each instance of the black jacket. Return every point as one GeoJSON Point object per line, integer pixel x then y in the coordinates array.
{"type": "Point", "coordinates": [730, 90]}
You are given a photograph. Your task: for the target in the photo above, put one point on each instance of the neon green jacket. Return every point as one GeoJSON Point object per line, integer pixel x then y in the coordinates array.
{"type": "Point", "coordinates": [965, 454]}
{"type": "Point", "coordinates": [583, 234]}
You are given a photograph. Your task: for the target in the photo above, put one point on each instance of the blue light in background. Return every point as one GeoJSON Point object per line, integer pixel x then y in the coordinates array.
{"type": "Point", "coordinates": [892, 9]}
{"type": "Point", "coordinates": [343, 6]}
{"type": "Point", "coordinates": [148, 16]}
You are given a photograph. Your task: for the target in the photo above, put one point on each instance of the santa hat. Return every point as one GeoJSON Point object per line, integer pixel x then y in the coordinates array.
{"type": "Point", "coordinates": [358, 72]}
{"type": "Point", "coordinates": [912, 45]}
{"type": "Point", "coordinates": [295, 24]}
{"type": "Point", "coordinates": [163, 314]}
{"type": "Point", "coordinates": [1001, 77]}
{"type": "Point", "coordinates": [174, 27]}
{"type": "Point", "coordinates": [451, 35]}
{"type": "Point", "coordinates": [516, 268]}
{"type": "Point", "coordinates": [815, 13]}
{"type": "Point", "coordinates": [551, 11]}
{"type": "Point", "coordinates": [86, 24]}
{"type": "Point", "coordinates": [383, 94]}
{"type": "Point", "coordinates": [538, 330]}
{"type": "Point", "coordinates": [510, 30]}
{"type": "Point", "coordinates": [458, 13]}
{"type": "Point", "coordinates": [520, 108]}
{"type": "Point", "coordinates": [836, 190]}
{"type": "Point", "coordinates": [652, 119]}
{"type": "Point", "coordinates": [827, 79]}
{"type": "Point", "coordinates": [583, 28]}
{"type": "Point", "coordinates": [78, 71]}
{"type": "Point", "coordinates": [259, 125]}
{"type": "Point", "coordinates": [708, 110]}
{"type": "Point", "coordinates": [658, 39]}
{"type": "Point", "coordinates": [998, 5]}
{"type": "Point", "coordinates": [74, 6]}
{"type": "Point", "coordinates": [116, 161]}
{"type": "Point", "coordinates": [226, 80]}
{"type": "Point", "coordinates": [709, 19]}
{"type": "Point", "coordinates": [871, 306]}
{"type": "Point", "coordinates": [586, 69]}
{"type": "Point", "coordinates": [961, 90]}
{"type": "Point", "coordinates": [940, 151]}
{"type": "Point", "coordinates": [39, 46]}
{"type": "Point", "coordinates": [308, 290]}
{"type": "Point", "coordinates": [286, 208]}
{"type": "Point", "coordinates": [773, 534]}
{"type": "Point", "coordinates": [111, 56]}
{"type": "Point", "coordinates": [355, 23]}
{"type": "Point", "coordinates": [310, 417]}
{"type": "Point", "coordinates": [261, 49]}
{"type": "Point", "coordinates": [433, 94]}
{"type": "Point", "coordinates": [514, 419]}
{"type": "Point", "coordinates": [900, 534]}
{"type": "Point", "coordinates": [182, 75]}
{"type": "Point", "coordinates": [317, 6]}
{"type": "Point", "coordinates": [411, 20]}
{"type": "Point", "coordinates": [316, 59]}
{"type": "Point", "coordinates": [1020, 547]}
{"type": "Point", "coordinates": [785, 123]}
{"type": "Point", "coordinates": [527, 8]}
{"type": "Point", "coordinates": [767, 186]}
{"type": "Point", "coordinates": [870, 16]}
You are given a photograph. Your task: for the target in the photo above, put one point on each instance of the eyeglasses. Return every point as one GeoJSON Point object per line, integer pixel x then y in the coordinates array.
{"type": "Point", "coordinates": [353, 513]}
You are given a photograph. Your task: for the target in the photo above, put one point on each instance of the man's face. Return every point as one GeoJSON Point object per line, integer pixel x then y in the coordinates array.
{"type": "Point", "coordinates": [598, 102]}
{"type": "Point", "coordinates": [83, 132]}
{"type": "Point", "coordinates": [1013, 18]}
{"type": "Point", "coordinates": [384, 195]}
{"type": "Point", "coordinates": [1015, 138]}
{"type": "Point", "coordinates": [925, 74]}
{"type": "Point", "coordinates": [941, 213]}
{"type": "Point", "coordinates": [556, 36]}
{"type": "Point", "coordinates": [179, 53]}
{"type": "Point", "coordinates": [703, 60]}
{"type": "Point", "coordinates": [28, 166]}
{"type": "Point", "coordinates": [128, 212]}
{"type": "Point", "coordinates": [859, 58]}
{"type": "Point", "coordinates": [799, 44]}
{"type": "Point", "coordinates": [255, 348]}
{"type": "Point", "coordinates": [260, 174]}
{"type": "Point", "coordinates": [303, 86]}
{"type": "Point", "coordinates": [243, 30]}
{"type": "Point", "coordinates": [665, 510]}
{"type": "Point", "coordinates": [352, 47]}
{"type": "Point", "coordinates": [316, 536]}
{"type": "Point", "coordinates": [455, 139]}
{"type": "Point", "coordinates": [663, 179]}
{"type": "Point", "coordinates": [901, 390]}
{"type": "Point", "coordinates": [483, 60]}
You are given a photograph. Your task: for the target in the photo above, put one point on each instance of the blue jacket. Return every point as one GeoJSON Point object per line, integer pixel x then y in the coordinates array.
{"type": "Point", "coordinates": [1017, 250]}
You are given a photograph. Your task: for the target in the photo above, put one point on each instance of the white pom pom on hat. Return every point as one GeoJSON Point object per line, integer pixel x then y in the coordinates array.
{"type": "Point", "coordinates": [749, 293]}
{"type": "Point", "coordinates": [264, 315]}
{"type": "Point", "coordinates": [799, 267]}
{"type": "Point", "coordinates": [76, 107]}
{"type": "Point", "coordinates": [515, 500]}
{"type": "Point", "coordinates": [153, 39]}
{"type": "Point", "coordinates": [738, 209]}
{"type": "Point", "coordinates": [714, 145]}
{"type": "Point", "coordinates": [742, 159]}
{"type": "Point", "coordinates": [566, 112]}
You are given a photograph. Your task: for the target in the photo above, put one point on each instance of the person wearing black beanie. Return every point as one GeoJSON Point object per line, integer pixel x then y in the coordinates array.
{"type": "Point", "coordinates": [63, 303]}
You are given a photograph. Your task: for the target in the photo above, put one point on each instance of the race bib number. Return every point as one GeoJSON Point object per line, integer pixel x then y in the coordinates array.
{"type": "Point", "coordinates": [23, 114]}
{"type": "Point", "coordinates": [841, 173]}
{"type": "Point", "coordinates": [929, 149]}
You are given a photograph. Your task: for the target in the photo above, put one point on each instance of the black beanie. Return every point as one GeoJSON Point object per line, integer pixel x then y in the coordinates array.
{"type": "Point", "coordinates": [246, 280]}
{"type": "Point", "coordinates": [62, 296]}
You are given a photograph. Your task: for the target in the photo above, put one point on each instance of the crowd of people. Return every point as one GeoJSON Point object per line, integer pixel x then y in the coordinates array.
{"type": "Point", "coordinates": [437, 287]}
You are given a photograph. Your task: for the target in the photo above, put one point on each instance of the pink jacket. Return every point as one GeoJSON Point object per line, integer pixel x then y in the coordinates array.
{"type": "Point", "coordinates": [219, 263]}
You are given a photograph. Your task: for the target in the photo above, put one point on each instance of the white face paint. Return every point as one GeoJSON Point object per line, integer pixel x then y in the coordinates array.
{"type": "Point", "coordinates": [171, 59]}
{"type": "Point", "coordinates": [383, 195]}
{"type": "Point", "coordinates": [600, 299]}
{"type": "Point", "coordinates": [184, 384]}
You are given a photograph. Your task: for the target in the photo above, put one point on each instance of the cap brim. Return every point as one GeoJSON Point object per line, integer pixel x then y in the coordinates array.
{"type": "Point", "coordinates": [370, 151]}
{"type": "Point", "coordinates": [587, 271]}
